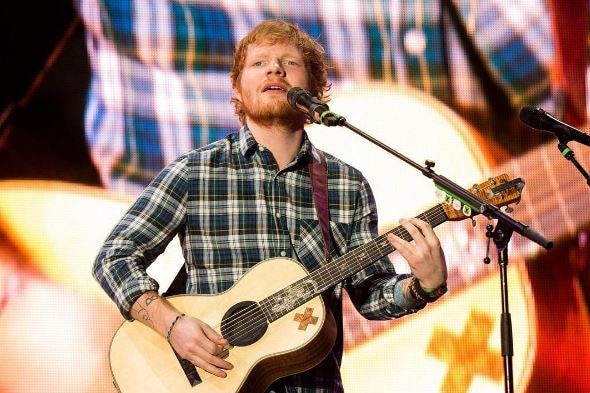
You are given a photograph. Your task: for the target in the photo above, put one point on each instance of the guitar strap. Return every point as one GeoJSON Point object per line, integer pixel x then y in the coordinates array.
{"type": "Point", "coordinates": [319, 184]}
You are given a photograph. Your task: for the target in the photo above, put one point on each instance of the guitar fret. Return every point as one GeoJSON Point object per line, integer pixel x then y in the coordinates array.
{"type": "Point", "coordinates": [337, 270]}
{"type": "Point", "coordinates": [290, 297]}
{"type": "Point", "coordinates": [369, 253]}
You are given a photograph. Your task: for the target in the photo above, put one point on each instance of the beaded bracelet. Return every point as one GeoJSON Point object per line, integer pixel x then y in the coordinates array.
{"type": "Point", "coordinates": [172, 325]}
{"type": "Point", "coordinates": [413, 290]}
{"type": "Point", "coordinates": [422, 295]}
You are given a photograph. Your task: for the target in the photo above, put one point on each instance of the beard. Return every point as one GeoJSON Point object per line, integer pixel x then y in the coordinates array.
{"type": "Point", "coordinates": [271, 112]}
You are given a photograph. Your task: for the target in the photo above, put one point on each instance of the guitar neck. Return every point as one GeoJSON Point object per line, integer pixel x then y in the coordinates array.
{"type": "Point", "coordinates": [363, 256]}
{"type": "Point", "coordinates": [330, 274]}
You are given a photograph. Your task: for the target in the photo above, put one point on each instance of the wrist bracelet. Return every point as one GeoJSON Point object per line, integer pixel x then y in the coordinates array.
{"type": "Point", "coordinates": [172, 325]}
{"type": "Point", "coordinates": [421, 295]}
{"type": "Point", "coordinates": [413, 291]}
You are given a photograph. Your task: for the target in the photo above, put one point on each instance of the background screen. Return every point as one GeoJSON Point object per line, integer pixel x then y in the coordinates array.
{"type": "Point", "coordinates": [98, 96]}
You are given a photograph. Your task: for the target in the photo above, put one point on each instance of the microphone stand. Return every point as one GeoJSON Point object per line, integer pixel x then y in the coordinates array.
{"type": "Point", "coordinates": [505, 227]}
{"type": "Point", "coordinates": [501, 237]}
{"type": "Point", "coordinates": [568, 153]}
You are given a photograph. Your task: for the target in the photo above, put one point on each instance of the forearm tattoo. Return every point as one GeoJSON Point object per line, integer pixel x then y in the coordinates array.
{"type": "Point", "coordinates": [141, 308]}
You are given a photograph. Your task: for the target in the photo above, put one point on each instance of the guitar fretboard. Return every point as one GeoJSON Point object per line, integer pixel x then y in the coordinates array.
{"type": "Point", "coordinates": [298, 293]}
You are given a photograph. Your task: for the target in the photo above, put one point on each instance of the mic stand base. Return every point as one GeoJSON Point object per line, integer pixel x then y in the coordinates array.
{"type": "Point", "coordinates": [501, 237]}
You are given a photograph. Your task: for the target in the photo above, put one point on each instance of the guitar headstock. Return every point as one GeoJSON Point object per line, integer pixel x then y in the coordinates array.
{"type": "Point", "coordinates": [498, 191]}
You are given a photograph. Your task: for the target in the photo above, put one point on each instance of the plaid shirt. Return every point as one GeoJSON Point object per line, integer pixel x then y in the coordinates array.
{"type": "Point", "coordinates": [232, 208]}
{"type": "Point", "coordinates": [160, 88]}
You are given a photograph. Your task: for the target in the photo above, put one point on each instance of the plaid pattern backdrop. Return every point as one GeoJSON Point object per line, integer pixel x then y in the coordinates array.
{"type": "Point", "coordinates": [160, 84]}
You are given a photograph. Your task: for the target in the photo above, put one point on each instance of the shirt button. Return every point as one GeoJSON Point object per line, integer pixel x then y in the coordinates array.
{"type": "Point", "coordinates": [283, 253]}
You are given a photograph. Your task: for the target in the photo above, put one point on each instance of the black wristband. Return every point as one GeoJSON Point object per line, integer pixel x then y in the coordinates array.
{"type": "Point", "coordinates": [421, 295]}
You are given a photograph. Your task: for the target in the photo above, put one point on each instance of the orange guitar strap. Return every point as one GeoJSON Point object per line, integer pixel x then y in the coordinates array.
{"type": "Point", "coordinates": [319, 184]}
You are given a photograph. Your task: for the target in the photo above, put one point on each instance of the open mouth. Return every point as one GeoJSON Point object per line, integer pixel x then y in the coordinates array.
{"type": "Point", "coordinates": [274, 87]}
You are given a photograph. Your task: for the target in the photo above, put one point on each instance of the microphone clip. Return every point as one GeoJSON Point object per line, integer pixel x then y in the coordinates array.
{"type": "Point", "coordinates": [332, 119]}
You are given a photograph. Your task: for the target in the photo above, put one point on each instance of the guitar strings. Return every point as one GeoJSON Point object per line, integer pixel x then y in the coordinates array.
{"type": "Point", "coordinates": [235, 320]}
{"type": "Point", "coordinates": [432, 216]}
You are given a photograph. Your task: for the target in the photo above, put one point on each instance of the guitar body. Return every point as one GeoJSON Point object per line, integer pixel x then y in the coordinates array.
{"type": "Point", "coordinates": [142, 361]}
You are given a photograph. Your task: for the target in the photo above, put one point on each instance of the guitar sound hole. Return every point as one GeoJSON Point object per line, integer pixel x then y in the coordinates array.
{"type": "Point", "coordinates": [244, 324]}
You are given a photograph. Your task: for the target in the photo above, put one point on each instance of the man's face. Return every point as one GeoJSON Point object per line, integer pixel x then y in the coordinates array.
{"type": "Point", "coordinates": [269, 71]}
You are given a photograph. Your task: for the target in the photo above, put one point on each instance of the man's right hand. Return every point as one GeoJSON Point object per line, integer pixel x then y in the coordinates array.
{"type": "Point", "coordinates": [190, 337]}
{"type": "Point", "coordinates": [198, 343]}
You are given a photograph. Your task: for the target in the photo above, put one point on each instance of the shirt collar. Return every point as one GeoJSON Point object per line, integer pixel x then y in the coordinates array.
{"type": "Point", "coordinates": [246, 141]}
{"type": "Point", "coordinates": [248, 145]}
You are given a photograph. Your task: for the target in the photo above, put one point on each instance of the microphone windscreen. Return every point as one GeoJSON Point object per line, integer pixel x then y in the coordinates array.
{"type": "Point", "coordinates": [526, 112]}
{"type": "Point", "coordinates": [293, 94]}
{"type": "Point", "coordinates": [532, 116]}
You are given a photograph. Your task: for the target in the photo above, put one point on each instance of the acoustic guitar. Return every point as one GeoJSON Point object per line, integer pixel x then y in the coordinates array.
{"type": "Point", "coordinates": [275, 329]}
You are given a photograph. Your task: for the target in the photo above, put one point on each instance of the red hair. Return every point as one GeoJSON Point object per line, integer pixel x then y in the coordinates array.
{"type": "Point", "coordinates": [279, 31]}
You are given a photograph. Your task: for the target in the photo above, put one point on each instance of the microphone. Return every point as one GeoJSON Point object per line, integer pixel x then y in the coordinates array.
{"type": "Point", "coordinates": [315, 109]}
{"type": "Point", "coordinates": [541, 120]}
